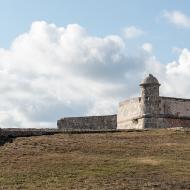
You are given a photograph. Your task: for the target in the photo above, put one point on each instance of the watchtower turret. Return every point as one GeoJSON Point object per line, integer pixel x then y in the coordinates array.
{"type": "Point", "coordinates": [150, 100]}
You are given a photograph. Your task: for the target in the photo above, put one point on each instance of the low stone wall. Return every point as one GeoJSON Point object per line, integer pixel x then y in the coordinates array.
{"type": "Point", "coordinates": [173, 122]}
{"type": "Point", "coordinates": [17, 132]}
{"type": "Point", "coordinates": [175, 106]}
{"type": "Point", "coordinates": [89, 123]}
{"type": "Point", "coordinates": [8, 134]}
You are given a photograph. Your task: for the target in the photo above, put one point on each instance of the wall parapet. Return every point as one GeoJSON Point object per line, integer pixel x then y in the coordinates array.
{"type": "Point", "coordinates": [175, 99]}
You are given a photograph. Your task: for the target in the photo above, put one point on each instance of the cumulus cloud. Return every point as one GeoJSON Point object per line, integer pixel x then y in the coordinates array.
{"type": "Point", "coordinates": [132, 32]}
{"type": "Point", "coordinates": [50, 72]}
{"type": "Point", "coordinates": [53, 71]}
{"type": "Point", "coordinates": [177, 18]}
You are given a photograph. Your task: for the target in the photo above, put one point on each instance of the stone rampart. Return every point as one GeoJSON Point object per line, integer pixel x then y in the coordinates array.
{"type": "Point", "coordinates": [8, 134]}
{"type": "Point", "coordinates": [172, 122]}
{"type": "Point", "coordinates": [89, 123]}
{"type": "Point", "coordinates": [18, 132]}
{"type": "Point", "coordinates": [130, 114]}
{"type": "Point", "coordinates": [174, 112]}
{"type": "Point", "coordinates": [175, 106]}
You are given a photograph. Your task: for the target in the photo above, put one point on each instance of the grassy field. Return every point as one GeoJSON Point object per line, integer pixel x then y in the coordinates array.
{"type": "Point", "coordinates": [152, 160]}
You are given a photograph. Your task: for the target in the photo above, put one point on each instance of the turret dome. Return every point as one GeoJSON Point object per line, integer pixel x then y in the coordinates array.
{"type": "Point", "coordinates": [150, 79]}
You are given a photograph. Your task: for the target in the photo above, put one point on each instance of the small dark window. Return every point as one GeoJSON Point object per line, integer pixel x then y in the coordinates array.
{"type": "Point", "coordinates": [147, 98]}
{"type": "Point", "coordinates": [135, 121]}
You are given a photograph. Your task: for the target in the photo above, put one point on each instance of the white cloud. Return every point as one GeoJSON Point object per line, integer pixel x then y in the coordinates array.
{"type": "Point", "coordinates": [147, 47]}
{"type": "Point", "coordinates": [132, 32]}
{"type": "Point", "coordinates": [51, 72]}
{"type": "Point", "coordinates": [177, 18]}
{"type": "Point", "coordinates": [182, 66]}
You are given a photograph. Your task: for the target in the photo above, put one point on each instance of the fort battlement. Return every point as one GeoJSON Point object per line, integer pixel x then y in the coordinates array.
{"type": "Point", "coordinates": [88, 123]}
{"type": "Point", "coordinates": [150, 110]}
{"type": "Point", "coordinates": [153, 111]}
{"type": "Point", "coordinates": [26, 132]}
{"type": "Point", "coordinates": [8, 134]}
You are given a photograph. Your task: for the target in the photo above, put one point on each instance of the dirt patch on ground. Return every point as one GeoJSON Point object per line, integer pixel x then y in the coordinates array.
{"type": "Point", "coordinates": [148, 161]}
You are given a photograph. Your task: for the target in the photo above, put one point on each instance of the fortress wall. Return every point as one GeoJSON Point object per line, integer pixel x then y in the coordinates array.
{"type": "Point", "coordinates": [129, 114]}
{"type": "Point", "coordinates": [131, 124]}
{"type": "Point", "coordinates": [18, 132]}
{"type": "Point", "coordinates": [89, 123]}
{"type": "Point", "coordinates": [175, 106]}
{"type": "Point", "coordinates": [174, 112]}
{"type": "Point", "coordinates": [173, 122]}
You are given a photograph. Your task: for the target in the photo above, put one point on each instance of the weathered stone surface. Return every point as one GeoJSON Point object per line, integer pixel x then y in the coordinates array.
{"type": "Point", "coordinates": [148, 111]}
{"type": "Point", "coordinates": [129, 114]}
{"type": "Point", "coordinates": [175, 106]}
{"type": "Point", "coordinates": [170, 122]}
{"type": "Point", "coordinates": [8, 134]}
{"type": "Point", "coordinates": [18, 132]}
{"type": "Point", "coordinates": [108, 122]}
{"type": "Point", "coordinates": [152, 111]}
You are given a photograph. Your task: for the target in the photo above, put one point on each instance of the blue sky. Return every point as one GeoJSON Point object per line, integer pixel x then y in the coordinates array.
{"type": "Point", "coordinates": [100, 18]}
{"type": "Point", "coordinates": [63, 58]}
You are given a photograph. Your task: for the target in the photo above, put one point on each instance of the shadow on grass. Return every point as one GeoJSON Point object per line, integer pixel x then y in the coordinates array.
{"type": "Point", "coordinates": [6, 139]}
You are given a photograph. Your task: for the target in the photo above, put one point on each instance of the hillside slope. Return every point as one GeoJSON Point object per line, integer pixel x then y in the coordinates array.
{"type": "Point", "coordinates": [157, 159]}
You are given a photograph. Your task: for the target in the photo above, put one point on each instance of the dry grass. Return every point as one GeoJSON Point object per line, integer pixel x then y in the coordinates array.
{"type": "Point", "coordinates": [148, 160]}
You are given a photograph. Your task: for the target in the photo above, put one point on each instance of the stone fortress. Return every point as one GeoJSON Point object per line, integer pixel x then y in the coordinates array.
{"type": "Point", "coordinates": [148, 111]}
{"type": "Point", "coordinates": [153, 111]}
